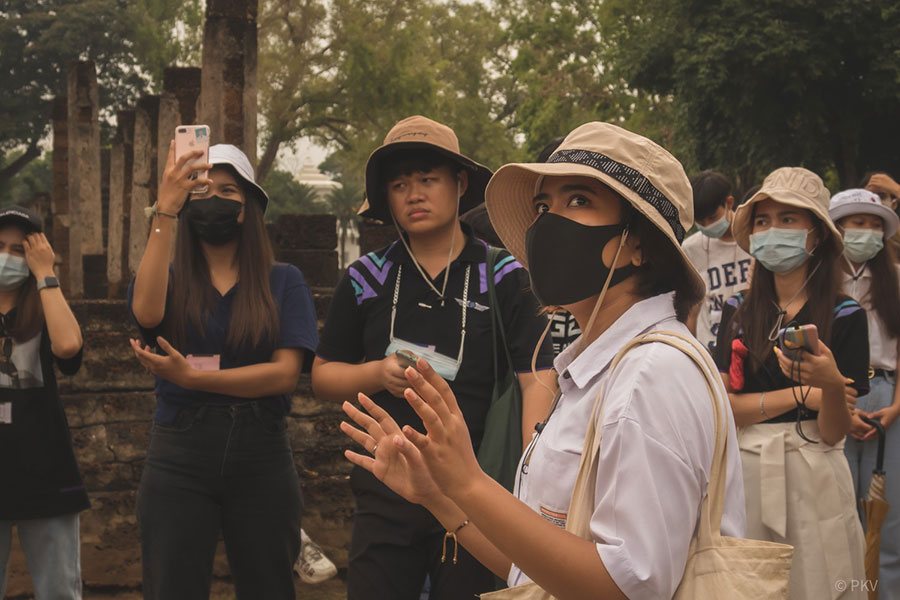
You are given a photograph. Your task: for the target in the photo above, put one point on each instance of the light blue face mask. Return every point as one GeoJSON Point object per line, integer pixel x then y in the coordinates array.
{"type": "Point", "coordinates": [13, 271]}
{"type": "Point", "coordinates": [717, 229]}
{"type": "Point", "coordinates": [780, 250]}
{"type": "Point", "coordinates": [861, 245]}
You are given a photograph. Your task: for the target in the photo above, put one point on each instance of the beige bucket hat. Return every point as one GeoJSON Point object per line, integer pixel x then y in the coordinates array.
{"type": "Point", "coordinates": [795, 186]}
{"type": "Point", "coordinates": [639, 170]}
{"type": "Point", "coordinates": [420, 132]}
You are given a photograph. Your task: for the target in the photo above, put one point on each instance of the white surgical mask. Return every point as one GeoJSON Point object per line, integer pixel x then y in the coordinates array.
{"type": "Point", "coordinates": [445, 366]}
{"type": "Point", "coordinates": [13, 271]}
{"type": "Point", "coordinates": [861, 245]}
{"type": "Point", "coordinates": [780, 250]}
{"type": "Point", "coordinates": [715, 230]}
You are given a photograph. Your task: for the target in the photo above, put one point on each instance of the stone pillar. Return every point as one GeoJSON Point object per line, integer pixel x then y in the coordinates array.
{"type": "Point", "coordinates": [120, 182]}
{"type": "Point", "coordinates": [229, 87]}
{"type": "Point", "coordinates": [184, 84]}
{"type": "Point", "coordinates": [144, 182]}
{"type": "Point", "coordinates": [85, 232]}
{"type": "Point", "coordinates": [58, 225]}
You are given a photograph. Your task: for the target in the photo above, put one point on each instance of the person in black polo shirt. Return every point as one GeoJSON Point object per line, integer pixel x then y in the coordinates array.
{"type": "Point", "coordinates": [425, 294]}
{"type": "Point", "coordinates": [237, 328]}
{"type": "Point", "coordinates": [41, 491]}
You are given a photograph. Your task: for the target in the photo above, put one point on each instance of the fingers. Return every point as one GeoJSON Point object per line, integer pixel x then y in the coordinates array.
{"type": "Point", "coordinates": [360, 460]}
{"type": "Point", "coordinates": [360, 437]}
{"type": "Point", "coordinates": [385, 421]}
{"type": "Point", "coordinates": [437, 382]}
{"type": "Point", "coordinates": [167, 347]}
{"type": "Point", "coordinates": [430, 418]}
{"type": "Point", "coordinates": [359, 417]}
{"type": "Point", "coordinates": [416, 439]}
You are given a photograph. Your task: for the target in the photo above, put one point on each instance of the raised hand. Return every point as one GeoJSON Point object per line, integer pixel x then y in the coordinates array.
{"type": "Point", "coordinates": [396, 462]}
{"type": "Point", "coordinates": [39, 255]}
{"type": "Point", "coordinates": [176, 183]}
{"type": "Point", "coordinates": [447, 447]}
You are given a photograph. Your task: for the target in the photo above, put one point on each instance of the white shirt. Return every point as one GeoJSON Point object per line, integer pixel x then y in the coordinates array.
{"type": "Point", "coordinates": [656, 452]}
{"type": "Point", "coordinates": [725, 268]}
{"type": "Point", "coordinates": [882, 347]}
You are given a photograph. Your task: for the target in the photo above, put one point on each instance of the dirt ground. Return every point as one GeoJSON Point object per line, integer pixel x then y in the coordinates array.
{"type": "Point", "coordinates": [333, 589]}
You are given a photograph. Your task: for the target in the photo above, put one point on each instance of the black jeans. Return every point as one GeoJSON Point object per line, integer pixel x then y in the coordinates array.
{"type": "Point", "coordinates": [219, 470]}
{"type": "Point", "coordinates": [395, 544]}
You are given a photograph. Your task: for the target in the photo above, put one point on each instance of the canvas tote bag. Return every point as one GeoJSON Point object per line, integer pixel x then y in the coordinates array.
{"type": "Point", "coordinates": [717, 567]}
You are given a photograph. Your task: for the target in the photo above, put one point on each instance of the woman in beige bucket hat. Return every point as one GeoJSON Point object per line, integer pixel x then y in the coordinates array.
{"type": "Point", "coordinates": [797, 481]}
{"type": "Point", "coordinates": [599, 228]}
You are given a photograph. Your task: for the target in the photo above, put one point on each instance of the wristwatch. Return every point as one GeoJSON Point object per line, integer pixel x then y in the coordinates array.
{"type": "Point", "coordinates": [47, 282]}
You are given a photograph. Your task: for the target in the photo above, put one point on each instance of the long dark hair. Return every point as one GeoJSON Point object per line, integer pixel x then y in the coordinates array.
{"type": "Point", "coordinates": [254, 318]}
{"type": "Point", "coordinates": [29, 312]}
{"type": "Point", "coordinates": [758, 312]}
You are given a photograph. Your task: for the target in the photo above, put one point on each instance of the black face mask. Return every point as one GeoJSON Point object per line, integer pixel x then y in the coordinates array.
{"type": "Point", "coordinates": [214, 220]}
{"type": "Point", "coordinates": [565, 259]}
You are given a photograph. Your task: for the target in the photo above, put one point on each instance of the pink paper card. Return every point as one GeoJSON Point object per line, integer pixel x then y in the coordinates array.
{"type": "Point", "coordinates": [203, 362]}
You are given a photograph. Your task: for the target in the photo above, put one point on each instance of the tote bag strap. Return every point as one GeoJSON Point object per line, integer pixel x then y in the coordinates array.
{"type": "Point", "coordinates": [581, 507]}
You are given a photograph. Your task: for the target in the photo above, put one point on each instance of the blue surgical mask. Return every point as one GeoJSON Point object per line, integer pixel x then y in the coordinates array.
{"type": "Point", "coordinates": [13, 271]}
{"type": "Point", "coordinates": [861, 245]}
{"type": "Point", "coordinates": [717, 229]}
{"type": "Point", "coordinates": [780, 250]}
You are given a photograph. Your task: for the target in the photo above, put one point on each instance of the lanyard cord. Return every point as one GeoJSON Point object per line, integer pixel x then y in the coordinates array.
{"type": "Point", "coordinates": [465, 307]}
{"type": "Point", "coordinates": [449, 254]}
{"type": "Point", "coordinates": [773, 334]}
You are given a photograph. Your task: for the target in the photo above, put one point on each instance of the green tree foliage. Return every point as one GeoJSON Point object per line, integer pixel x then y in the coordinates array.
{"type": "Point", "coordinates": [289, 196]}
{"type": "Point", "coordinates": [756, 85]}
{"type": "Point", "coordinates": [129, 41]}
{"type": "Point", "coordinates": [36, 177]}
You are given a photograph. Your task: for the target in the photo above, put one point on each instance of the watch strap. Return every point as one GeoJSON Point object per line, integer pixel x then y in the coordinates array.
{"type": "Point", "coordinates": [46, 282]}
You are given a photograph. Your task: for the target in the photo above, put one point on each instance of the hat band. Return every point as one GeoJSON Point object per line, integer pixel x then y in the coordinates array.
{"type": "Point", "coordinates": [627, 176]}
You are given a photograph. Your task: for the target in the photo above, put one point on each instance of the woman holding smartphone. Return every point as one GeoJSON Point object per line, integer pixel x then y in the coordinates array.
{"type": "Point", "coordinates": [42, 491]}
{"type": "Point", "coordinates": [794, 414]}
{"type": "Point", "coordinates": [227, 331]}
{"type": "Point", "coordinates": [869, 271]}
{"type": "Point", "coordinates": [599, 228]}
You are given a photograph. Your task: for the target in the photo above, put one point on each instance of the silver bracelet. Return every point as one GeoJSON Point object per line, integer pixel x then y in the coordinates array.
{"type": "Point", "coordinates": [762, 406]}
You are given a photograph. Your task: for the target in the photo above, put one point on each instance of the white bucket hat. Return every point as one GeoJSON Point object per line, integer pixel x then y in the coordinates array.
{"type": "Point", "coordinates": [858, 201]}
{"type": "Point", "coordinates": [226, 154]}
{"type": "Point", "coordinates": [642, 172]}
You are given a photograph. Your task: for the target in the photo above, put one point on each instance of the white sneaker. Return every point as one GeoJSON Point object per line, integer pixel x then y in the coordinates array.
{"type": "Point", "coordinates": [312, 565]}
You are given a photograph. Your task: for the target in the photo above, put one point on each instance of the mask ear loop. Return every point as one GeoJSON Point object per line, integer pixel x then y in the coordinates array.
{"type": "Point", "coordinates": [584, 336]}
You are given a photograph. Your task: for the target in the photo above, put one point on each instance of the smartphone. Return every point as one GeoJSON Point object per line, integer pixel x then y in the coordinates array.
{"type": "Point", "coordinates": [406, 358]}
{"type": "Point", "coordinates": [794, 338]}
{"type": "Point", "coordinates": [189, 138]}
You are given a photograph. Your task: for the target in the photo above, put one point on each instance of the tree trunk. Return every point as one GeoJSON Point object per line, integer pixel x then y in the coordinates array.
{"type": "Point", "coordinates": [267, 159]}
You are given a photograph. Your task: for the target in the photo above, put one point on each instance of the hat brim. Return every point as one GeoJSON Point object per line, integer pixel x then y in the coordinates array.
{"type": "Point", "coordinates": [260, 194]}
{"type": "Point", "coordinates": [479, 175]}
{"type": "Point", "coordinates": [28, 225]}
{"type": "Point", "coordinates": [890, 218]}
{"type": "Point", "coordinates": [509, 196]}
{"type": "Point", "coordinates": [742, 226]}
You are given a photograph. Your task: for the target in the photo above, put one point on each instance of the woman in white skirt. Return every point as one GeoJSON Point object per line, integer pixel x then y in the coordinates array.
{"type": "Point", "coordinates": [793, 415]}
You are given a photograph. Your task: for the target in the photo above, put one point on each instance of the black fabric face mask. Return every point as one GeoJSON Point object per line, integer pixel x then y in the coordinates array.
{"type": "Point", "coordinates": [565, 259]}
{"type": "Point", "coordinates": [214, 220]}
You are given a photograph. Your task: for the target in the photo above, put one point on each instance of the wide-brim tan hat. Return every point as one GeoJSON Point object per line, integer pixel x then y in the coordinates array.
{"type": "Point", "coordinates": [645, 174]}
{"type": "Point", "coordinates": [794, 186]}
{"type": "Point", "coordinates": [418, 132]}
